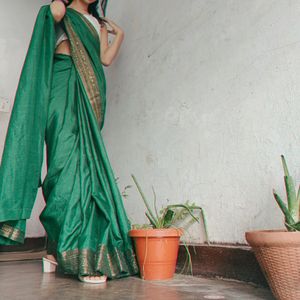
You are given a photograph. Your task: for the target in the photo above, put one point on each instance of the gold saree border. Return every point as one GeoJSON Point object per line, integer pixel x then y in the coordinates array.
{"type": "Point", "coordinates": [85, 70]}
{"type": "Point", "coordinates": [12, 233]}
{"type": "Point", "coordinates": [114, 263]}
{"type": "Point", "coordinates": [91, 27]}
{"type": "Point", "coordinates": [88, 23]}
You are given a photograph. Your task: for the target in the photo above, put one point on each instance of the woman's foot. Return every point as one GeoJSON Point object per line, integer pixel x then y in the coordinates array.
{"type": "Point", "coordinates": [93, 279]}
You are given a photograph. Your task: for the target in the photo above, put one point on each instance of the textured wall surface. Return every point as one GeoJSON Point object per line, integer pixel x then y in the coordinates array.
{"type": "Point", "coordinates": [202, 100]}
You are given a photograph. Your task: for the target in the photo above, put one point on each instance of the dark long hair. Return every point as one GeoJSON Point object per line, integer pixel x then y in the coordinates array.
{"type": "Point", "coordinates": [93, 8]}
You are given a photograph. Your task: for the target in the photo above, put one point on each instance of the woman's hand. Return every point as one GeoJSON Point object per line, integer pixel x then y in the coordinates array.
{"type": "Point", "coordinates": [114, 28]}
{"type": "Point", "coordinates": [58, 9]}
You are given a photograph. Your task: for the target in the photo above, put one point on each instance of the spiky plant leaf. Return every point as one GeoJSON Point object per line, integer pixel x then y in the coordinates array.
{"type": "Point", "coordinates": [285, 168]}
{"type": "Point", "coordinates": [293, 203]}
{"type": "Point", "coordinates": [150, 213]}
{"type": "Point", "coordinates": [298, 198]}
{"type": "Point", "coordinates": [288, 217]}
{"type": "Point", "coordinates": [186, 207]}
{"type": "Point", "coordinates": [294, 227]}
{"type": "Point", "coordinates": [152, 221]}
{"type": "Point", "coordinates": [155, 203]}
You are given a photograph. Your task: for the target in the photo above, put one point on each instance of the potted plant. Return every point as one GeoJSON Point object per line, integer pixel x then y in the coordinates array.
{"type": "Point", "coordinates": [157, 243]}
{"type": "Point", "coordinates": [278, 251]}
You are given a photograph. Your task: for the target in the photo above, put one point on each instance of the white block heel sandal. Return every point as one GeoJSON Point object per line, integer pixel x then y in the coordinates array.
{"type": "Point", "coordinates": [94, 279]}
{"type": "Point", "coordinates": [49, 266]}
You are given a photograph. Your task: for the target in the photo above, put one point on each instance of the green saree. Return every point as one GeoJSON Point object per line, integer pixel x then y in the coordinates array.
{"type": "Point", "coordinates": [61, 101]}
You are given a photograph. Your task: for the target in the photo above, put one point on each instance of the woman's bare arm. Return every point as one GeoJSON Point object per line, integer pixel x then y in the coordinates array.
{"type": "Point", "coordinates": [58, 10]}
{"type": "Point", "coordinates": [109, 52]}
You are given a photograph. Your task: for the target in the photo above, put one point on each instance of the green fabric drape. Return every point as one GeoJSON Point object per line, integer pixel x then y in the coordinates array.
{"type": "Point", "coordinates": [23, 152]}
{"type": "Point", "coordinates": [63, 104]}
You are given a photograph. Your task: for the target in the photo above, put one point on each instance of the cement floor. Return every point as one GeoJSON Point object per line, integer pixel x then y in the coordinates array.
{"type": "Point", "coordinates": [25, 280]}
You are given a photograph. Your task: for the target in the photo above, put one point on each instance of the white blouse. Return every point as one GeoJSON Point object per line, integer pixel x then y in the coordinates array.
{"type": "Point", "coordinates": [61, 35]}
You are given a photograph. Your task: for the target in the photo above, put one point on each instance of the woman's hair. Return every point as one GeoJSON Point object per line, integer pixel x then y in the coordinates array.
{"type": "Point", "coordinates": [93, 8]}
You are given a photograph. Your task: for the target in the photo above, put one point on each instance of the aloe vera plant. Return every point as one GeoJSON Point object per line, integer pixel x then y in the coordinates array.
{"type": "Point", "coordinates": [170, 215]}
{"type": "Point", "coordinates": [291, 211]}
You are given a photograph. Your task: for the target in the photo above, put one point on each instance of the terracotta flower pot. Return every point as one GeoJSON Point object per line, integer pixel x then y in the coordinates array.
{"type": "Point", "coordinates": [278, 253]}
{"type": "Point", "coordinates": [156, 251]}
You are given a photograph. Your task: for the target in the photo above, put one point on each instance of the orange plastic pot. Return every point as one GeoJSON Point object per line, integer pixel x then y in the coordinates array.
{"type": "Point", "coordinates": [157, 251]}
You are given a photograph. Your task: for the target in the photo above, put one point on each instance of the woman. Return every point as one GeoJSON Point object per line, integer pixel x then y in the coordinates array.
{"type": "Point", "coordinates": [61, 100]}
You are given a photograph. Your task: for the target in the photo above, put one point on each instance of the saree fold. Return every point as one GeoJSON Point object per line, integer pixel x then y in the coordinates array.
{"type": "Point", "coordinates": [84, 217]}
{"type": "Point", "coordinates": [23, 152]}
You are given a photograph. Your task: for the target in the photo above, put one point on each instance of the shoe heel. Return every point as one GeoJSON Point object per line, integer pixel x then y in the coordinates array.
{"type": "Point", "coordinates": [49, 266]}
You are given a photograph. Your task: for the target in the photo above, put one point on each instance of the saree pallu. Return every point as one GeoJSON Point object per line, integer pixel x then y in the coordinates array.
{"type": "Point", "coordinates": [84, 217]}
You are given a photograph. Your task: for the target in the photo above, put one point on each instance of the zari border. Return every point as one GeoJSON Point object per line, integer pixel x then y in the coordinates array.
{"type": "Point", "coordinates": [91, 27]}
{"type": "Point", "coordinates": [85, 70]}
{"type": "Point", "coordinates": [88, 23]}
{"type": "Point", "coordinates": [114, 263]}
{"type": "Point", "coordinates": [12, 233]}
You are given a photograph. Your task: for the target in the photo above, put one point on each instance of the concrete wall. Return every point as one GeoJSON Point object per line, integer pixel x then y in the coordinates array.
{"type": "Point", "coordinates": [203, 99]}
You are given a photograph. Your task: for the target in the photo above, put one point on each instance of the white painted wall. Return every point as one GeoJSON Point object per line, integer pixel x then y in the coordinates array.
{"type": "Point", "coordinates": [16, 23]}
{"type": "Point", "coordinates": [203, 99]}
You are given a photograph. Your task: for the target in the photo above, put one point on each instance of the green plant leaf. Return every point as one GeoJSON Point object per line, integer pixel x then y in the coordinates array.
{"type": "Point", "coordinates": [189, 209]}
{"type": "Point", "coordinates": [288, 217]}
{"type": "Point", "coordinates": [298, 198]}
{"type": "Point", "coordinates": [149, 213]}
{"type": "Point", "coordinates": [154, 202]}
{"type": "Point", "coordinates": [188, 265]}
{"type": "Point", "coordinates": [205, 226]}
{"type": "Point", "coordinates": [293, 203]}
{"type": "Point", "coordinates": [295, 226]}
{"type": "Point", "coordinates": [152, 221]}
{"type": "Point", "coordinates": [168, 217]}
{"type": "Point", "coordinates": [141, 226]}
{"type": "Point", "coordinates": [285, 168]}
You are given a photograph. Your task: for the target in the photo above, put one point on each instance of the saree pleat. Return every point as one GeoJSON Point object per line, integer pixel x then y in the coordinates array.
{"type": "Point", "coordinates": [84, 217]}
